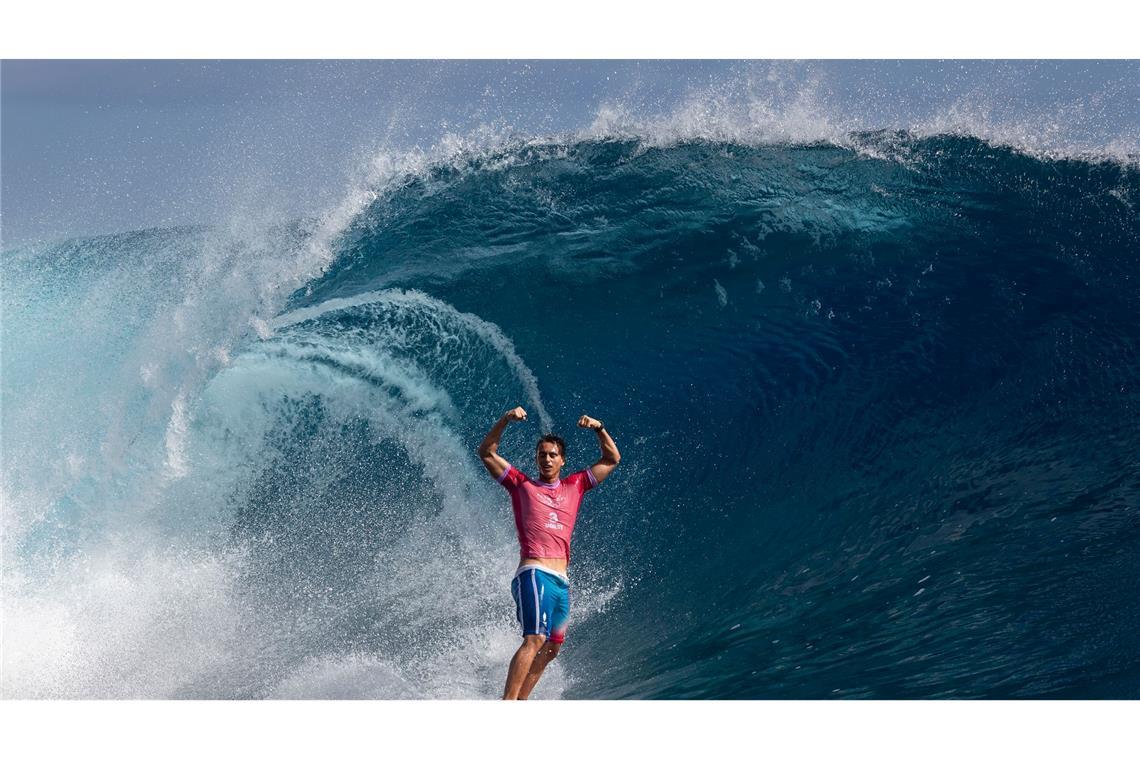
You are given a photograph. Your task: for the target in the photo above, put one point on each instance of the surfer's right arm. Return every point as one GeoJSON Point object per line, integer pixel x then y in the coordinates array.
{"type": "Point", "coordinates": [489, 448]}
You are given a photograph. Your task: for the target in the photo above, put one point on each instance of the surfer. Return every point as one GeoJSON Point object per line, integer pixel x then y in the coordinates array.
{"type": "Point", "coordinates": [545, 510]}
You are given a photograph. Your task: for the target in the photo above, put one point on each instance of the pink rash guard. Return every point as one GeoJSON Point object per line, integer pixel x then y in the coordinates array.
{"type": "Point", "coordinates": [545, 512]}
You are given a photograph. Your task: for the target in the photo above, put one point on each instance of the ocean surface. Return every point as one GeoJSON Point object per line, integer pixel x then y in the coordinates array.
{"type": "Point", "coordinates": [877, 397]}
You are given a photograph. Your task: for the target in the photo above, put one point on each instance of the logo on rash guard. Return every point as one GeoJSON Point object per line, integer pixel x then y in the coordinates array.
{"type": "Point", "coordinates": [552, 522]}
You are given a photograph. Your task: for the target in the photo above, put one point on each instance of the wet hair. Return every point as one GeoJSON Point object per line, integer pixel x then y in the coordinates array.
{"type": "Point", "coordinates": [551, 438]}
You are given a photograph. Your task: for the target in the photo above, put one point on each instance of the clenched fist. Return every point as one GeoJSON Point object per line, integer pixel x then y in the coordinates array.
{"type": "Point", "coordinates": [588, 422]}
{"type": "Point", "coordinates": [518, 414]}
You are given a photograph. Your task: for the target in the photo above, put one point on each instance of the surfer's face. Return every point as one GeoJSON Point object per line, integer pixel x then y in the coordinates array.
{"type": "Point", "coordinates": [549, 460]}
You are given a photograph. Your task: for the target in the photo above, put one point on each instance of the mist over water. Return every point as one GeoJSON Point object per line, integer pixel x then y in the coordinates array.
{"type": "Point", "coordinates": [875, 391]}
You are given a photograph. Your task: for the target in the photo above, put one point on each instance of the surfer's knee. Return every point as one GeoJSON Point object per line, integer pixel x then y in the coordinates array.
{"type": "Point", "coordinates": [533, 642]}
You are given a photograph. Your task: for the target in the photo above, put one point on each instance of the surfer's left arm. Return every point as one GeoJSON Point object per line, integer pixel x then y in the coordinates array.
{"type": "Point", "coordinates": [610, 454]}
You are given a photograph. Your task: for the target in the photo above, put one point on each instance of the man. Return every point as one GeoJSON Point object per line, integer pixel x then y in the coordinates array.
{"type": "Point", "coordinates": [545, 510]}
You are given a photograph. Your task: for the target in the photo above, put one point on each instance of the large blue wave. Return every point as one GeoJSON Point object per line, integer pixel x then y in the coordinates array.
{"type": "Point", "coordinates": [877, 406]}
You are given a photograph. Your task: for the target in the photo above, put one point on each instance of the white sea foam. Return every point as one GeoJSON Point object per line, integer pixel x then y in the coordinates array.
{"type": "Point", "coordinates": [721, 293]}
{"type": "Point", "coordinates": [126, 622]}
{"type": "Point", "coordinates": [176, 438]}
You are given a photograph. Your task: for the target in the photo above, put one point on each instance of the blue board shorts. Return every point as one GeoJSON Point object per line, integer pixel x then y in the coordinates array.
{"type": "Point", "coordinates": [542, 603]}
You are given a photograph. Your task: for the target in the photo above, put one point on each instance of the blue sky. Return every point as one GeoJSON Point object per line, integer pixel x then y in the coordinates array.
{"type": "Point", "coordinates": [90, 147]}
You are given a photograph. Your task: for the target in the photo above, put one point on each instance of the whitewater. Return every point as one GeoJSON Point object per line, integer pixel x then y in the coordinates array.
{"type": "Point", "coordinates": [876, 393]}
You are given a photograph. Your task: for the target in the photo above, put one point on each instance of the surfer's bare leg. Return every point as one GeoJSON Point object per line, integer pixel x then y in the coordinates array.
{"type": "Point", "coordinates": [548, 652]}
{"type": "Point", "coordinates": [520, 665]}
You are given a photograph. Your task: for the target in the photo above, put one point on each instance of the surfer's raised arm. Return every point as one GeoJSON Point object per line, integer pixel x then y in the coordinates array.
{"type": "Point", "coordinates": [489, 448]}
{"type": "Point", "coordinates": [610, 454]}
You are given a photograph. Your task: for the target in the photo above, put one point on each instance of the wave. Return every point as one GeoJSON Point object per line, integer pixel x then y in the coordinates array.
{"type": "Point", "coordinates": [875, 394]}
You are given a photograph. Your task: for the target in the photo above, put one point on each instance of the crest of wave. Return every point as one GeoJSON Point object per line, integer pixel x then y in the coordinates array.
{"type": "Point", "coordinates": [756, 109]}
{"type": "Point", "coordinates": [1060, 132]}
{"type": "Point", "coordinates": [780, 103]}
